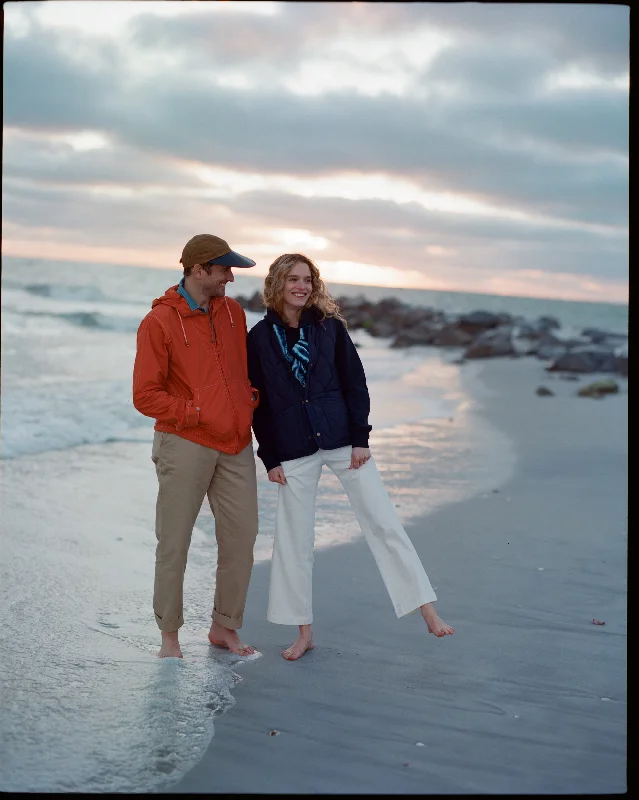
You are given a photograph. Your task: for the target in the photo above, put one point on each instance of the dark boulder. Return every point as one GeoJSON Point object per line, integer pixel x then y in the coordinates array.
{"type": "Point", "coordinates": [382, 328]}
{"type": "Point", "coordinates": [418, 334]}
{"type": "Point", "coordinates": [621, 363]}
{"type": "Point", "coordinates": [585, 359]}
{"type": "Point", "coordinates": [546, 323]}
{"type": "Point", "coordinates": [599, 389]}
{"type": "Point", "coordinates": [241, 300]}
{"type": "Point", "coordinates": [478, 321]}
{"type": "Point", "coordinates": [597, 336]}
{"type": "Point", "coordinates": [490, 343]}
{"type": "Point", "coordinates": [452, 335]}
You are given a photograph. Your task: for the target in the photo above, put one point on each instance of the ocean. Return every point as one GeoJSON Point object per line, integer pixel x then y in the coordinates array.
{"type": "Point", "coordinates": [87, 706]}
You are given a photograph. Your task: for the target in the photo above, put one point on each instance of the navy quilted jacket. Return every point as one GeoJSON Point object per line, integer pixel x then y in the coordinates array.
{"type": "Point", "coordinates": [330, 411]}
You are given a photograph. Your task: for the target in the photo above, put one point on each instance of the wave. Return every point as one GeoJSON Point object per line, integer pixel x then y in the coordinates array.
{"type": "Point", "coordinates": [90, 319]}
{"type": "Point", "coordinates": [65, 292]}
{"type": "Point", "coordinates": [37, 419]}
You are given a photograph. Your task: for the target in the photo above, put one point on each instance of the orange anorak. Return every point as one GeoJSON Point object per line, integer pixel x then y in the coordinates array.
{"type": "Point", "coordinates": [190, 372]}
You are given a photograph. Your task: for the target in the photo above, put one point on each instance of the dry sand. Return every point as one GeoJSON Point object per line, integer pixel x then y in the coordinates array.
{"type": "Point", "coordinates": [528, 696]}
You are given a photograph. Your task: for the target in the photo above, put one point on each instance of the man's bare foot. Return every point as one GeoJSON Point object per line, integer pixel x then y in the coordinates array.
{"type": "Point", "coordinates": [225, 637]}
{"type": "Point", "coordinates": [170, 645]}
{"type": "Point", "coordinates": [435, 624]}
{"type": "Point", "coordinates": [303, 643]}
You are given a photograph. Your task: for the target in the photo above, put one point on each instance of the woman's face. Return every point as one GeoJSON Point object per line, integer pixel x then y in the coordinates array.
{"type": "Point", "coordinates": [298, 285]}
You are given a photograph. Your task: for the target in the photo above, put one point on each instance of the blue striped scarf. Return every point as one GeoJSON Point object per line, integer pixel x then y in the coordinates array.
{"type": "Point", "coordinates": [299, 355]}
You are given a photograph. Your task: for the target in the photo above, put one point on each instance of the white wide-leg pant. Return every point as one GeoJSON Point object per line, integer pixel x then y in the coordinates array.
{"type": "Point", "coordinates": [290, 591]}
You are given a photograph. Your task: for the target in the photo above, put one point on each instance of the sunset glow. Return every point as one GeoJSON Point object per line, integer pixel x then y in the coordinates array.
{"type": "Point", "coordinates": [408, 145]}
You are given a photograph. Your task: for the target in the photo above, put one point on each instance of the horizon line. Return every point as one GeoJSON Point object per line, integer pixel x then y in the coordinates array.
{"type": "Point", "coordinates": [167, 268]}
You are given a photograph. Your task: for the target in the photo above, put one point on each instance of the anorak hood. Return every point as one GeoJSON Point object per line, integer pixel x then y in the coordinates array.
{"type": "Point", "coordinates": [176, 301]}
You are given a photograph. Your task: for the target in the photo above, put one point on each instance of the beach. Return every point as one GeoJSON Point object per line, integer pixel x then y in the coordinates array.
{"type": "Point", "coordinates": [528, 696]}
{"type": "Point", "coordinates": [516, 503]}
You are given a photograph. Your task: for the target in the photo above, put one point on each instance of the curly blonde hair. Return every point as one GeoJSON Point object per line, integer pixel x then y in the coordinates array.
{"type": "Point", "coordinates": [274, 286]}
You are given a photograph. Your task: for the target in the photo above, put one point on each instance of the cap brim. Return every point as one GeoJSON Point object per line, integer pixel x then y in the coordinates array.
{"type": "Point", "coordinates": [232, 259]}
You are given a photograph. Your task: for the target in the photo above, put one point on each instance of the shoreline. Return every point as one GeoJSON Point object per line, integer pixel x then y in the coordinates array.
{"type": "Point", "coordinates": [89, 562]}
{"type": "Point", "coordinates": [369, 673]}
{"type": "Point", "coordinates": [528, 696]}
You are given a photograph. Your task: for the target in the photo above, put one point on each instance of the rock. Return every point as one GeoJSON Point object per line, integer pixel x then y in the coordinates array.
{"type": "Point", "coordinates": [417, 316]}
{"type": "Point", "coordinates": [452, 336]}
{"type": "Point", "coordinates": [538, 330]}
{"type": "Point", "coordinates": [598, 336]}
{"type": "Point", "coordinates": [585, 358]}
{"type": "Point", "coordinates": [479, 321]}
{"type": "Point", "coordinates": [356, 318]}
{"type": "Point", "coordinates": [490, 343]}
{"type": "Point", "coordinates": [390, 304]}
{"type": "Point", "coordinates": [544, 391]}
{"type": "Point", "coordinates": [255, 302]}
{"type": "Point", "coordinates": [599, 388]}
{"type": "Point", "coordinates": [621, 363]}
{"type": "Point", "coordinates": [357, 311]}
{"type": "Point", "coordinates": [359, 302]}
{"type": "Point", "coordinates": [418, 334]}
{"type": "Point", "coordinates": [524, 330]}
{"type": "Point", "coordinates": [381, 327]}
{"type": "Point", "coordinates": [537, 342]}
{"type": "Point", "coordinates": [546, 323]}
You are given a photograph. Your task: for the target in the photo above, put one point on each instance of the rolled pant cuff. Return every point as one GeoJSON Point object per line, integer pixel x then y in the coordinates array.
{"type": "Point", "coordinates": [232, 623]}
{"type": "Point", "coordinates": [169, 625]}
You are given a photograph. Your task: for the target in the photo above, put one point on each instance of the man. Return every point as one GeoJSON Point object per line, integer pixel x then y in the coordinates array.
{"type": "Point", "coordinates": [190, 375]}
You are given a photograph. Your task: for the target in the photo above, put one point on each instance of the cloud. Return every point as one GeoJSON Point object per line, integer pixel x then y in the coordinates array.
{"type": "Point", "coordinates": [471, 101]}
{"type": "Point", "coordinates": [377, 231]}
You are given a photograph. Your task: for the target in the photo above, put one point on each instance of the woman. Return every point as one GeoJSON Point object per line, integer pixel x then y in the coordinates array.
{"type": "Point", "coordinates": [314, 408]}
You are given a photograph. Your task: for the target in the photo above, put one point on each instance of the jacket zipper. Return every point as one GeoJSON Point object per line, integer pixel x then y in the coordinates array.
{"type": "Point", "coordinates": [226, 386]}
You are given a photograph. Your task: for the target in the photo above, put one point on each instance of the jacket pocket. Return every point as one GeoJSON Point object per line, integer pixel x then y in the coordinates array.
{"type": "Point", "coordinates": [216, 414]}
{"type": "Point", "coordinates": [246, 400]}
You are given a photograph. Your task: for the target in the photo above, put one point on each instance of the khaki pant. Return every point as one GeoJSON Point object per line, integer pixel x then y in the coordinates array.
{"type": "Point", "coordinates": [187, 472]}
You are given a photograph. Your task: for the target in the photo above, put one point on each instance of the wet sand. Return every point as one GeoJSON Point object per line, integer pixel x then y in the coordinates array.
{"type": "Point", "coordinates": [528, 696]}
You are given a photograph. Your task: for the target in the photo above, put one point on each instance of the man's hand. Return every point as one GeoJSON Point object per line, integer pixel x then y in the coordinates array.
{"type": "Point", "coordinates": [276, 475]}
{"type": "Point", "coordinates": [359, 457]}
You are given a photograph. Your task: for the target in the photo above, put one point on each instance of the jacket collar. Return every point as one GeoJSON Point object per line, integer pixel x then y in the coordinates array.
{"type": "Point", "coordinates": [308, 317]}
{"type": "Point", "coordinates": [192, 304]}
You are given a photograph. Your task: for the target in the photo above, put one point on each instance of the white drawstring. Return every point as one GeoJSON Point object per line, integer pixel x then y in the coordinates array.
{"type": "Point", "coordinates": [229, 312]}
{"type": "Point", "coordinates": [182, 324]}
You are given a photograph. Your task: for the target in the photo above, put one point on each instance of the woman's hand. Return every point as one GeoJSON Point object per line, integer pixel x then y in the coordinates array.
{"type": "Point", "coordinates": [276, 475]}
{"type": "Point", "coordinates": [359, 457]}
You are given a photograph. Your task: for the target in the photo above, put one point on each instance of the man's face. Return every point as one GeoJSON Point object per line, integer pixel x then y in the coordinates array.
{"type": "Point", "coordinates": [214, 284]}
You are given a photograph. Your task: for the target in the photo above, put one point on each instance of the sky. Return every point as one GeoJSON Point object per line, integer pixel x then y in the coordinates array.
{"type": "Point", "coordinates": [477, 147]}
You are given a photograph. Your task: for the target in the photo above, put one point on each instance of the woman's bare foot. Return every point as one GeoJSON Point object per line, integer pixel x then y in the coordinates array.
{"type": "Point", "coordinates": [303, 643]}
{"type": "Point", "coordinates": [170, 645]}
{"type": "Point", "coordinates": [435, 624]}
{"type": "Point", "coordinates": [225, 637]}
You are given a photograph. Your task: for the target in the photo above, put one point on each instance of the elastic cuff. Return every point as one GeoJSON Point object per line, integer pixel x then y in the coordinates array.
{"type": "Point", "coordinates": [192, 417]}
{"type": "Point", "coordinates": [269, 465]}
{"type": "Point", "coordinates": [359, 437]}
{"type": "Point", "coordinates": [169, 625]}
{"type": "Point", "coordinates": [232, 623]}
